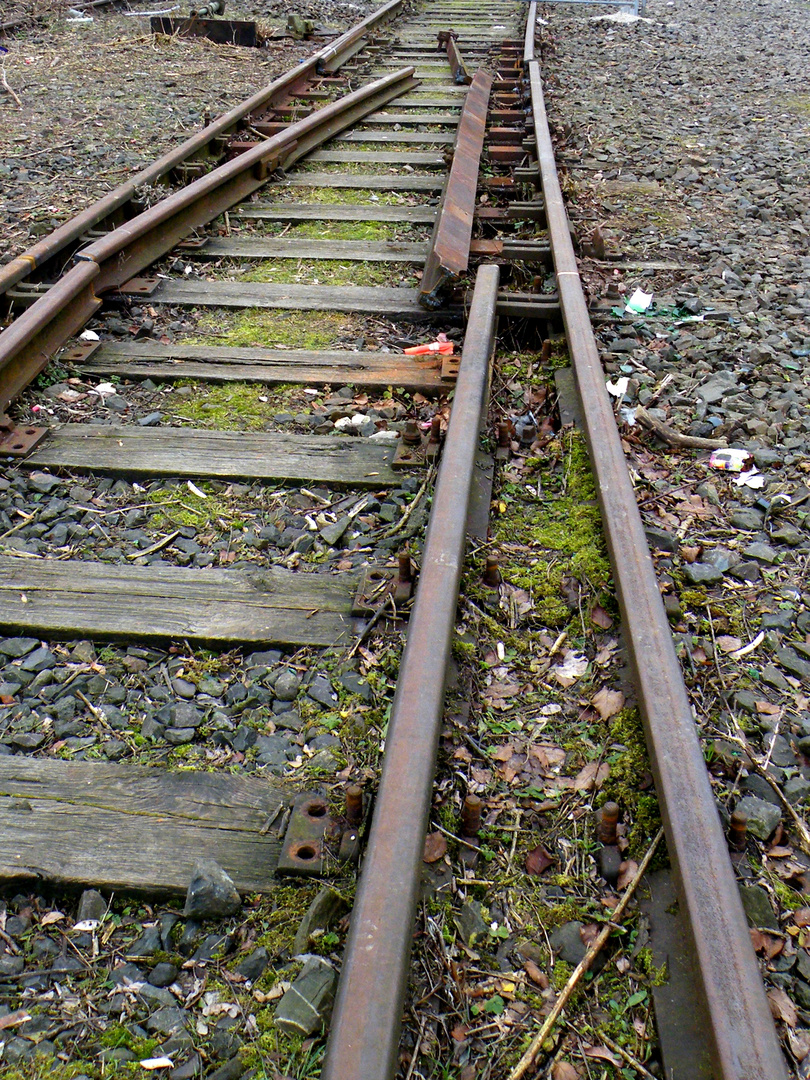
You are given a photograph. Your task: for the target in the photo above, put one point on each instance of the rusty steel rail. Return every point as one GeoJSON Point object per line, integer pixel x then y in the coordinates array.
{"type": "Point", "coordinates": [531, 30]}
{"type": "Point", "coordinates": [364, 1037]}
{"type": "Point", "coordinates": [29, 342]}
{"type": "Point", "coordinates": [294, 79]}
{"type": "Point", "coordinates": [449, 250]}
{"type": "Point", "coordinates": [448, 40]}
{"type": "Point", "coordinates": [744, 1043]}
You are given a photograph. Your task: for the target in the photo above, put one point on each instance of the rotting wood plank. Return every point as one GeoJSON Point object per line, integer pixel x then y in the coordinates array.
{"type": "Point", "coordinates": [131, 450]}
{"type": "Point", "coordinates": [369, 181]}
{"type": "Point", "coordinates": [141, 360]}
{"type": "Point", "coordinates": [266, 606]}
{"type": "Point", "coordinates": [272, 247]}
{"type": "Point", "coordinates": [378, 157]}
{"type": "Point", "coordinates": [346, 298]}
{"type": "Point", "coordinates": [409, 118]}
{"type": "Point", "coordinates": [415, 215]}
{"type": "Point", "coordinates": [130, 828]}
{"type": "Point", "coordinates": [394, 137]}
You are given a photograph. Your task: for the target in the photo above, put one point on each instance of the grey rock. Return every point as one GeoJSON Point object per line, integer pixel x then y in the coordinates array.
{"type": "Point", "coordinates": [763, 817]}
{"type": "Point", "coordinates": [253, 965]}
{"type": "Point", "coordinates": [231, 1070]}
{"type": "Point", "coordinates": [470, 923]}
{"type": "Point", "coordinates": [748, 519]}
{"type": "Point", "coordinates": [92, 905]}
{"type": "Point", "coordinates": [662, 540]}
{"type": "Point", "coordinates": [721, 558]}
{"type": "Point", "coordinates": [287, 685]}
{"type": "Point", "coordinates": [167, 1021]}
{"type": "Point", "coordinates": [566, 941]}
{"type": "Point", "coordinates": [183, 688]}
{"type": "Point", "coordinates": [43, 483]}
{"type": "Point", "coordinates": [163, 974]}
{"type": "Point", "coordinates": [307, 1004]}
{"type": "Point", "coordinates": [801, 994]}
{"type": "Point", "coordinates": [179, 736]}
{"type": "Point", "coordinates": [323, 912]}
{"type": "Point", "coordinates": [157, 994]}
{"type": "Point", "coordinates": [211, 893]}
{"type": "Point", "coordinates": [186, 715]}
{"type": "Point", "coordinates": [333, 533]}
{"type": "Point", "coordinates": [763, 553]}
{"type": "Point", "coordinates": [701, 574]}
{"type": "Point", "coordinates": [40, 659]}
{"type": "Point", "coordinates": [148, 943]}
{"type": "Point", "coordinates": [759, 786]}
{"type": "Point", "coordinates": [792, 662]}
{"type": "Point", "coordinates": [17, 646]}
{"type": "Point", "coordinates": [746, 571]}
{"type": "Point", "coordinates": [757, 906]}
{"type": "Point", "coordinates": [779, 750]}
{"type": "Point", "coordinates": [796, 789]}
{"type": "Point", "coordinates": [320, 690]}
{"type": "Point", "coordinates": [772, 676]}
{"type": "Point", "coordinates": [778, 620]}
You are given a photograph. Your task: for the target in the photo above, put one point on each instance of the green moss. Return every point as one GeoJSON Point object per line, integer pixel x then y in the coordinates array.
{"type": "Point", "coordinates": [627, 768]}
{"type": "Point", "coordinates": [331, 272]}
{"type": "Point", "coordinates": [786, 896]}
{"type": "Point", "coordinates": [176, 506]}
{"type": "Point", "coordinates": [262, 328]}
{"type": "Point", "coordinates": [658, 976]}
{"type": "Point", "coordinates": [560, 974]}
{"type": "Point", "coordinates": [230, 406]}
{"type": "Point", "coordinates": [562, 529]}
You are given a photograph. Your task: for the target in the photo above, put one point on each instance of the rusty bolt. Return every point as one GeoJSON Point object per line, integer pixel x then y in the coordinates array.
{"type": "Point", "coordinates": [436, 429]}
{"type": "Point", "coordinates": [354, 804]}
{"type": "Point", "coordinates": [471, 816]}
{"type": "Point", "coordinates": [504, 434]}
{"type": "Point", "coordinates": [492, 573]}
{"type": "Point", "coordinates": [405, 570]}
{"type": "Point", "coordinates": [545, 352]}
{"type": "Point", "coordinates": [738, 831]}
{"type": "Point", "coordinates": [411, 435]}
{"type": "Point", "coordinates": [608, 820]}
{"type": "Point", "coordinates": [528, 434]}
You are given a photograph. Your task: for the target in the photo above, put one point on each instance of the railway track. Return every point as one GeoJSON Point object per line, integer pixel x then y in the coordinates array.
{"type": "Point", "coordinates": [384, 131]}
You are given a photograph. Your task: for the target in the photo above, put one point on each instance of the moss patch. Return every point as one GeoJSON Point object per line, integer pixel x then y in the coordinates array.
{"type": "Point", "coordinates": [278, 328]}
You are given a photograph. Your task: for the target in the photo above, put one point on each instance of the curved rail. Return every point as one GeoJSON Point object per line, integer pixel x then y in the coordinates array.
{"type": "Point", "coordinates": [28, 343]}
{"type": "Point", "coordinates": [50, 246]}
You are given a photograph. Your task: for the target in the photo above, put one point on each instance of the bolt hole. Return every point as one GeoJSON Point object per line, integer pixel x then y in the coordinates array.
{"type": "Point", "coordinates": [305, 853]}
{"type": "Point", "coordinates": [316, 810]}
{"type": "Point", "coordinates": [18, 446]}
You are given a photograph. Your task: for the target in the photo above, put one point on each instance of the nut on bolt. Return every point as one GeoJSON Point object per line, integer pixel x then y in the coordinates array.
{"type": "Point", "coordinates": [403, 583]}
{"type": "Point", "coordinates": [471, 817]}
{"type": "Point", "coordinates": [354, 804]}
{"type": "Point", "coordinates": [738, 831]}
{"type": "Point", "coordinates": [607, 822]}
{"type": "Point", "coordinates": [492, 573]}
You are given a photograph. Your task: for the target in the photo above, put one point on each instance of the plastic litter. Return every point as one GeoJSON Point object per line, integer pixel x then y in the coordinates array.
{"type": "Point", "coordinates": [639, 302]}
{"type": "Point", "coordinates": [751, 479]}
{"type": "Point", "coordinates": [730, 460]}
{"type": "Point", "coordinates": [443, 347]}
{"type": "Point", "coordinates": [89, 335]}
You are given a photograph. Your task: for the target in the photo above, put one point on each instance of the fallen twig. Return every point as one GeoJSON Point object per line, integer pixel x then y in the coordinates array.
{"type": "Point", "coordinates": [669, 435]}
{"type": "Point", "coordinates": [7, 88]}
{"type": "Point", "coordinates": [584, 965]}
{"type": "Point", "coordinates": [409, 509]}
{"type": "Point", "coordinates": [372, 622]}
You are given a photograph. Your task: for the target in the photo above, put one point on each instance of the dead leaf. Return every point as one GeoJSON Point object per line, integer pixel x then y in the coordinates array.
{"type": "Point", "coordinates": [772, 946]}
{"type": "Point", "coordinates": [573, 667]}
{"type": "Point", "coordinates": [564, 1070]}
{"type": "Point", "coordinates": [592, 776]}
{"type": "Point", "coordinates": [538, 860]}
{"type": "Point", "coordinates": [12, 1019]}
{"type": "Point", "coordinates": [588, 934]}
{"type": "Point", "coordinates": [538, 977]}
{"type": "Point", "coordinates": [435, 847]}
{"type": "Point", "coordinates": [728, 644]}
{"type": "Point", "coordinates": [782, 1008]}
{"type": "Point", "coordinates": [627, 871]}
{"type": "Point", "coordinates": [799, 1042]}
{"type": "Point", "coordinates": [459, 1032]}
{"type": "Point", "coordinates": [599, 617]}
{"type": "Point", "coordinates": [608, 702]}
{"type": "Point", "coordinates": [690, 554]}
{"type": "Point", "coordinates": [503, 753]}
{"type": "Point", "coordinates": [765, 708]}
{"type": "Point", "coordinates": [801, 916]}
{"type": "Point", "coordinates": [602, 1053]}
{"type": "Point", "coordinates": [757, 940]}
{"type": "Point", "coordinates": [51, 917]}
